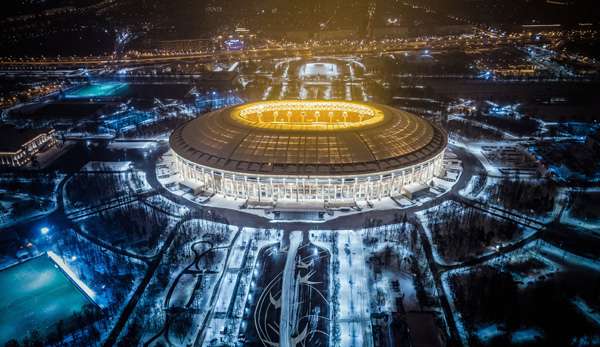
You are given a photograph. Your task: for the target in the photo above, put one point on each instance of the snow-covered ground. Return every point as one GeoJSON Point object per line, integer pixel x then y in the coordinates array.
{"type": "Point", "coordinates": [186, 291]}
{"type": "Point", "coordinates": [384, 282]}
{"type": "Point", "coordinates": [547, 249]}
{"type": "Point", "coordinates": [532, 275]}
{"type": "Point", "coordinates": [486, 333]}
{"type": "Point", "coordinates": [568, 218]}
{"type": "Point", "coordinates": [591, 313]}
{"type": "Point", "coordinates": [94, 226]}
{"type": "Point", "coordinates": [288, 292]}
{"type": "Point", "coordinates": [111, 278]}
{"type": "Point", "coordinates": [495, 158]}
{"type": "Point", "coordinates": [424, 220]}
{"type": "Point", "coordinates": [354, 316]}
{"type": "Point", "coordinates": [486, 195]}
{"type": "Point", "coordinates": [116, 166]}
{"type": "Point", "coordinates": [165, 204]}
{"type": "Point", "coordinates": [120, 145]}
{"type": "Point", "coordinates": [540, 251]}
{"type": "Point", "coordinates": [353, 286]}
{"type": "Point", "coordinates": [528, 335]}
{"type": "Point", "coordinates": [261, 238]}
{"type": "Point", "coordinates": [10, 200]}
{"type": "Point", "coordinates": [138, 183]}
{"type": "Point", "coordinates": [469, 189]}
{"type": "Point", "coordinates": [226, 292]}
{"type": "Point", "coordinates": [236, 284]}
{"type": "Point", "coordinates": [183, 291]}
{"type": "Point", "coordinates": [477, 150]}
{"type": "Point", "coordinates": [426, 223]}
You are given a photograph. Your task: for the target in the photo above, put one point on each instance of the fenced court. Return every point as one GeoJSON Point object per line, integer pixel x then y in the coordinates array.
{"type": "Point", "coordinates": [36, 294]}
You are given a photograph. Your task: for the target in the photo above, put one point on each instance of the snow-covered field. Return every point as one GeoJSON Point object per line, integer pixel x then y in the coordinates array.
{"type": "Point", "coordinates": [235, 285]}
{"type": "Point", "coordinates": [19, 206]}
{"type": "Point", "coordinates": [167, 205]}
{"type": "Point", "coordinates": [116, 166]}
{"type": "Point", "coordinates": [568, 217]}
{"type": "Point", "coordinates": [426, 222]}
{"type": "Point", "coordinates": [534, 263]}
{"type": "Point", "coordinates": [354, 316]}
{"type": "Point", "coordinates": [394, 279]}
{"type": "Point", "coordinates": [120, 145]}
{"type": "Point", "coordinates": [260, 238]}
{"type": "Point", "coordinates": [105, 186]}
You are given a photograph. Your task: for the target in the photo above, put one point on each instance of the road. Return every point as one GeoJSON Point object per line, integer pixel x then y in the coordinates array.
{"type": "Point", "coordinates": [584, 244]}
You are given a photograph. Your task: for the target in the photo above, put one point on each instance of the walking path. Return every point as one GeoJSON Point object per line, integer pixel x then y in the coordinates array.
{"type": "Point", "coordinates": [288, 292]}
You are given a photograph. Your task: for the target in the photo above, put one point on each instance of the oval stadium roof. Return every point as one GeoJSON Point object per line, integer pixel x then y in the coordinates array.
{"type": "Point", "coordinates": [299, 137]}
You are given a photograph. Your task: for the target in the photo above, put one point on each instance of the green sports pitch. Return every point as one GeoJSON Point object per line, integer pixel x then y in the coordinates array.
{"type": "Point", "coordinates": [36, 294]}
{"type": "Point", "coordinates": [97, 90]}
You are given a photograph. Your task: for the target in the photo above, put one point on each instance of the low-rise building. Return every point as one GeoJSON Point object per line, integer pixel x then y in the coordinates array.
{"type": "Point", "coordinates": [19, 146]}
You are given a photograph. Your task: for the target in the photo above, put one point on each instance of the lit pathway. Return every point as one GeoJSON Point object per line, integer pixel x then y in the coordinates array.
{"type": "Point", "coordinates": [354, 317]}
{"type": "Point", "coordinates": [288, 291]}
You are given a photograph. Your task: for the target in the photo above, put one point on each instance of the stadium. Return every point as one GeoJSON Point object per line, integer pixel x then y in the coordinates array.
{"type": "Point", "coordinates": [300, 151]}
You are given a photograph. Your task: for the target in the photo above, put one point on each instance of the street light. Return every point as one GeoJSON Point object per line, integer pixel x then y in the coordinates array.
{"type": "Point", "coordinates": [44, 230]}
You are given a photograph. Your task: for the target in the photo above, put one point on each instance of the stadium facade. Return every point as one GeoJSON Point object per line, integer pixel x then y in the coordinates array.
{"type": "Point", "coordinates": [299, 150]}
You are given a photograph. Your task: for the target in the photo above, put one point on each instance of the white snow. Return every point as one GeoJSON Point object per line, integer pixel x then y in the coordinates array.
{"type": "Point", "coordinates": [120, 145]}
{"type": "Point", "coordinates": [488, 332]}
{"type": "Point", "coordinates": [526, 335]}
{"type": "Point", "coordinates": [354, 317]}
{"type": "Point", "coordinates": [226, 292]}
{"type": "Point", "coordinates": [288, 297]}
{"type": "Point", "coordinates": [548, 249]}
{"type": "Point", "coordinates": [118, 166]}
{"type": "Point", "coordinates": [567, 216]}
{"type": "Point", "coordinates": [588, 311]}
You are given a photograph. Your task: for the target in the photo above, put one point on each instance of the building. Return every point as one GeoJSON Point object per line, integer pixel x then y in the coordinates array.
{"type": "Point", "coordinates": [19, 146]}
{"type": "Point", "coordinates": [301, 151]}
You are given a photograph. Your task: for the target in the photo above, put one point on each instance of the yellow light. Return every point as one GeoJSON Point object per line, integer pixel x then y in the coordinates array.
{"type": "Point", "coordinates": [315, 115]}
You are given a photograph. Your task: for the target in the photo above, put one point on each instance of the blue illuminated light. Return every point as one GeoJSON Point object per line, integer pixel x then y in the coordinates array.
{"type": "Point", "coordinates": [234, 44]}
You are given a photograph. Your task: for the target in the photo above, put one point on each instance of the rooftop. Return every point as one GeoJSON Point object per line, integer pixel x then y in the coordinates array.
{"type": "Point", "coordinates": [13, 138]}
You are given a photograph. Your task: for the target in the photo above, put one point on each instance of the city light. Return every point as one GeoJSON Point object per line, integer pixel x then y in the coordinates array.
{"type": "Point", "coordinates": [300, 173]}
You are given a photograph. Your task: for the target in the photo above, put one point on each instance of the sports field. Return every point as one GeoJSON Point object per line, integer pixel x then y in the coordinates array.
{"type": "Point", "coordinates": [36, 294]}
{"type": "Point", "coordinates": [98, 90]}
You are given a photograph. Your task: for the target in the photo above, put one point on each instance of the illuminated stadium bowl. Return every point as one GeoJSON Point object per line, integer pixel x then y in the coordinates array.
{"type": "Point", "coordinates": [331, 151]}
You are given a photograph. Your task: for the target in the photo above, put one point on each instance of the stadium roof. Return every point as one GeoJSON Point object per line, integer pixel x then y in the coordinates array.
{"type": "Point", "coordinates": [308, 138]}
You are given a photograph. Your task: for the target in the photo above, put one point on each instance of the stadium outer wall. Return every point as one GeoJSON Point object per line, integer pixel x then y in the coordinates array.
{"type": "Point", "coordinates": [330, 189]}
